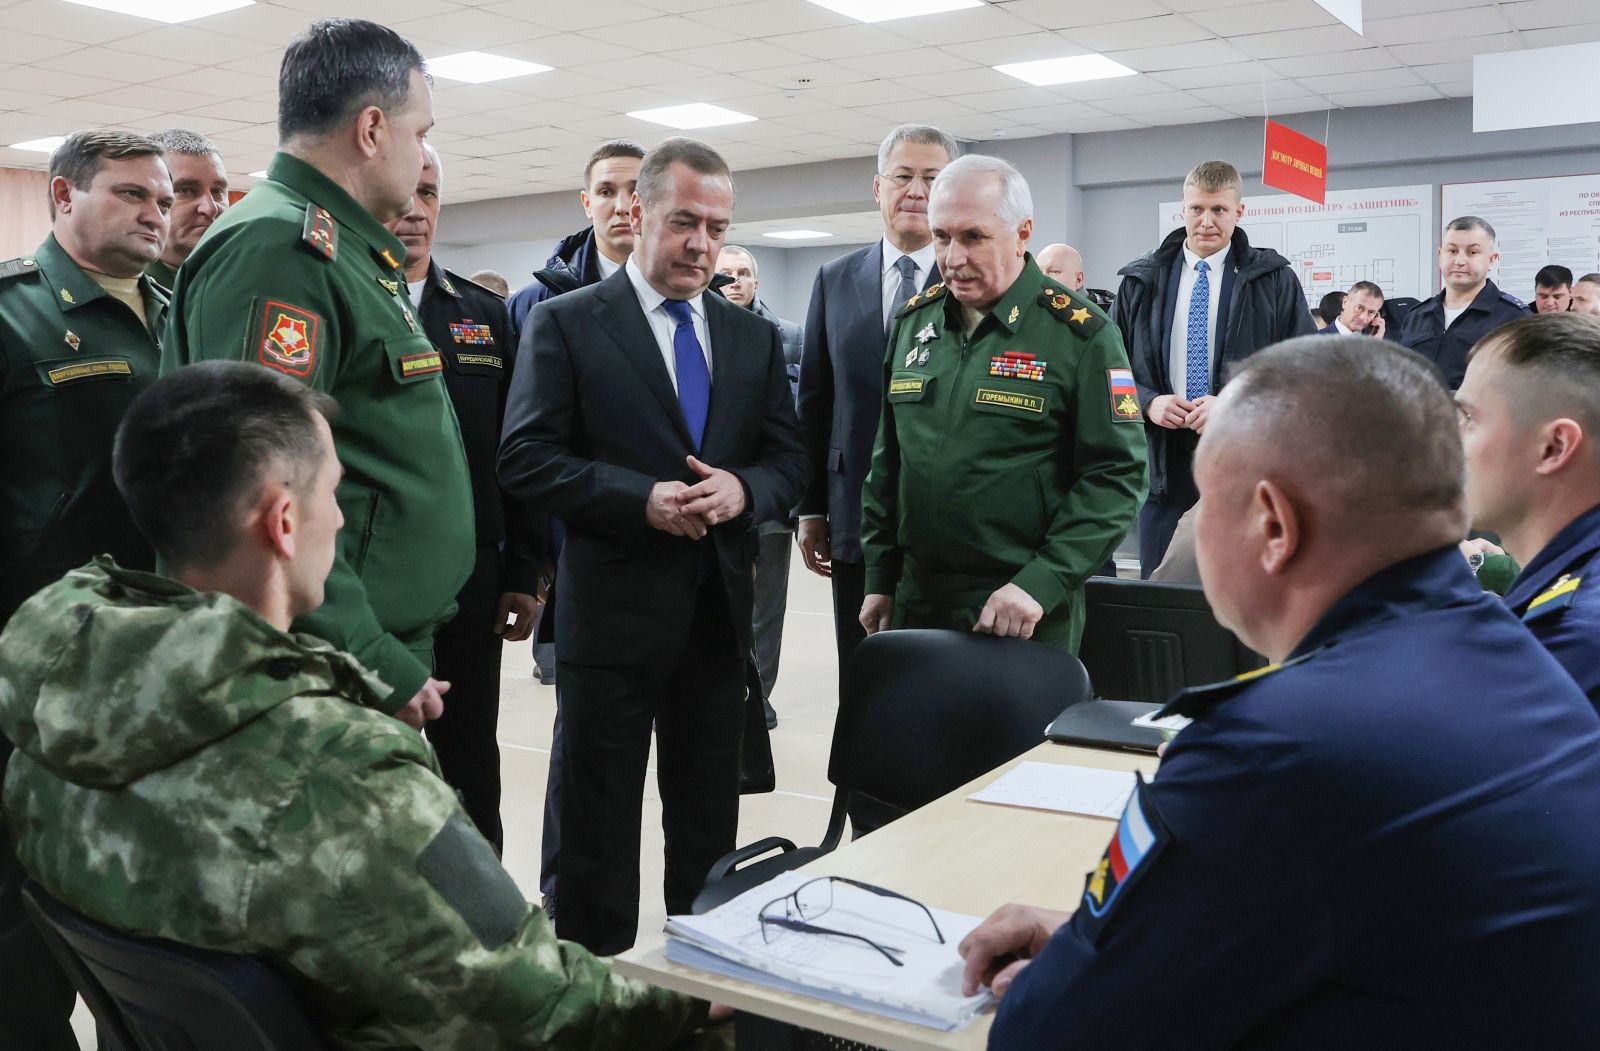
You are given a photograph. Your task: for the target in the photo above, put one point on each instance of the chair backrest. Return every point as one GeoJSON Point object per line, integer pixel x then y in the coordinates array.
{"type": "Point", "coordinates": [157, 995]}
{"type": "Point", "coordinates": [924, 712]}
{"type": "Point", "coordinates": [1144, 640]}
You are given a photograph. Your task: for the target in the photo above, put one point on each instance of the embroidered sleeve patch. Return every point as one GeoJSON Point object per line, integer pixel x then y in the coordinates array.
{"type": "Point", "coordinates": [1124, 396]}
{"type": "Point", "coordinates": [1137, 845]}
{"type": "Point", "coordinates": [288, 338]}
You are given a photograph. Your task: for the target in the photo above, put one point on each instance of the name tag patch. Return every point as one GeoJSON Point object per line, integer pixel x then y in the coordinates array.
{"type": "Point", "coordinates": [474, 334]}
{"type": "Point", "coordinates": [1011, 400]}
{"type": "Point", "coordinates": [421, 364]}
{"type": "Point", "coordinates": [88, 370]}
{"type": "Point", "coordinates": [907, 385]}
{"type": "Point", "coordinates": [481, 359]}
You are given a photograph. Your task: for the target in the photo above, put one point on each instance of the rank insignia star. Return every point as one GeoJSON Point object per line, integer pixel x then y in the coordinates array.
{"type": "Point", "coordinates": [1011, 318]}
{"type": "Point", "coordinates": [1080, 315]}
{"type": "Point", "coordinates": [72, 340]}
{"type": "Point", "coordinates": [927, 334]}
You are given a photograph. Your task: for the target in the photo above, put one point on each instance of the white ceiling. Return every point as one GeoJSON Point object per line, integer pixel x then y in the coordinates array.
{"type": "Point", "coordinates": [844, 228]}
{"type": "Point", "coordinates": [823, 86]}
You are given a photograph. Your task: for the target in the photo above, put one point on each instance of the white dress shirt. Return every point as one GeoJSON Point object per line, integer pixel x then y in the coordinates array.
{"type": "Point", "coordinates": [415, 288]}
{"type": "Point", "coordinates": [661, 323]}
{"type": "Point", "coordinates": [922, 257]}
{"type": "Point", "coordinates": [607, 267]}
{"type": "Point", "coordinates": [1178, 359]}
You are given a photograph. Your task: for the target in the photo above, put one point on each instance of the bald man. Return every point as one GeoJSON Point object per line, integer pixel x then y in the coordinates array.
{"type": "Point", "coordinates": [1384, 839]}
{"type": "Point", "coordinates": [1064, 263]}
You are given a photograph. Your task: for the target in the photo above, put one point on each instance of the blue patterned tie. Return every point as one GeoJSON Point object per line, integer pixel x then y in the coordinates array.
{"type": "Point", "coordinates": [1198, 361]}
{"type": "Point", "coordinates": [694, 379]}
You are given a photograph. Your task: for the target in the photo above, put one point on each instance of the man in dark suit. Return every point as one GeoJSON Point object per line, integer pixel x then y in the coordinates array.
{"type": "Point", "coordinates": [853, 301]}
{"type": "Point", "coordinates": [656, 422]}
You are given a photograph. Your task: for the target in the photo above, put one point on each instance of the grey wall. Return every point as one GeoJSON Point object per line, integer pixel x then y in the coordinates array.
{"type": "Point", "coordinates": [1097, 191]}
{"type": "Point", "coordinates": [1123, 176]}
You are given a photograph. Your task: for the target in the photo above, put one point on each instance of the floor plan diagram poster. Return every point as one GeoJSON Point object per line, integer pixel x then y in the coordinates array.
{"type": "Point", "coordinates": [1383, 235]}
{"type": "Point", "coordinates": [1538, 221]}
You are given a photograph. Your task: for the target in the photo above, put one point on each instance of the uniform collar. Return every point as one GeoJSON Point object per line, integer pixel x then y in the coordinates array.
{"type": "Point", "coordinates": [1482, 301]}
{"type": "Point", "coordinates": [72, 287]}
{"type": "Point", "coordinates": [328, 195]}
{"type": "Point", "coordinates": [1432, 580]}
{"type": "Point", "coordinates": [1581, 537]}
{"type": "Point", "coordinates": [1010, 311]}
{"type": "Point", "coordinates": [437, 278]}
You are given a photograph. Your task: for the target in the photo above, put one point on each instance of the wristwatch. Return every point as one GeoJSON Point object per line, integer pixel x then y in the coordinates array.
{"type": "Point", "coordinates": [1475, 560]}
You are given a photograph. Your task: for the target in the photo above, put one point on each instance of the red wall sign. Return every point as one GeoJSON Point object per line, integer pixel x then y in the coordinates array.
{"type": "Point", "coordinates": [1295, 162]}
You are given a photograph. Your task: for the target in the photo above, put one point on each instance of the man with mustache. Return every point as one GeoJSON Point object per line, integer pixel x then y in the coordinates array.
{"type": "Point", "coordinates": [199, 192]}
{"type": "Point", "coordinates": [1010, 458]}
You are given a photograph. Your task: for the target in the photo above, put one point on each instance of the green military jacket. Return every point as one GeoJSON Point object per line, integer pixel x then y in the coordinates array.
{"type": "Point", "coordinates": [1015, 456]}
{"type": "Point", "coordinates": [72, 358]}
{"type": "Point", "coordinates": [162, 274]}
{"type": "Point", "coordinates": [184, 770]}
{"type": "Point", "coordinates": [300, 278]}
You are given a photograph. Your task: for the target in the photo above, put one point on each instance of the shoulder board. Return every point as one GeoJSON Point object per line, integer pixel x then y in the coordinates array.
{"type": "Point", "coordinates": [467, 282]}
{"type": "Point", "coordinates": [1557, 596]}
{"type": "Point", "coordinates": [1513, 300]}
{"type": "Point", "coordinates": [1073, 309]}
{"type": "Point", "coordinates": [321, 232]}
{"type": "Point", "coordinates": [1196, 701]}
{"type": "Point", "coordinates": [17, 267]}
{"type": "Point", "coordinates": [922, 299]}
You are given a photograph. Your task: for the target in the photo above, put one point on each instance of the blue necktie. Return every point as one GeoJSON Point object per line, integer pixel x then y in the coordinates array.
{"type": "Point", "coordinates": [694, 379]}
{"type": "Point", "coordinates": [1198, 361]}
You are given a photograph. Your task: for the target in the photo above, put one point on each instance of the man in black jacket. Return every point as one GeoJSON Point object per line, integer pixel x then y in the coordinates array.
{"type": "Point", "coordinates": [1202, 301]}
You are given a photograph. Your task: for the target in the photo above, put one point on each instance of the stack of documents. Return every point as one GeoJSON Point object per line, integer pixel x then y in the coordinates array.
{"type": "Point", "coordinates": [1069, 789]}
{"type": "Point", "coordinates": [926, 991]}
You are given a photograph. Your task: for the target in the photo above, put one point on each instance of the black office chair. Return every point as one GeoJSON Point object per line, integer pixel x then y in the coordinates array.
{"type": "Point", "coordinates": [1144, 640]}
{"type": "Point", "coordinates": [148, 994]}
{"type": "Point", "coordinates": [921, 714]}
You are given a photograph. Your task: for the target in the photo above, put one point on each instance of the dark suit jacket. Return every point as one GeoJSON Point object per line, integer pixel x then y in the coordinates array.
{"type": "Point", "coordinates": [841, 389]}
{"type": "Point", "coordinates": [593, 422]}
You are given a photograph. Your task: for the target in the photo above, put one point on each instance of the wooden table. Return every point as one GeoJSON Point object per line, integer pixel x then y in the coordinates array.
{"type": "Point", "coordinates": [952, 854]}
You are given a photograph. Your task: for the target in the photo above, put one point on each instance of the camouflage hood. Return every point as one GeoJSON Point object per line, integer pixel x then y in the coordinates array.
{"type": "Point", "coordinates": [110, 674]}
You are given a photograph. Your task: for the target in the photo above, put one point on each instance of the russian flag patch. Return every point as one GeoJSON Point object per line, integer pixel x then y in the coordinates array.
{"type": "Point", "coordinates": [1124, 395]}
{"type": "Point", "coordinates": [1140, 838]}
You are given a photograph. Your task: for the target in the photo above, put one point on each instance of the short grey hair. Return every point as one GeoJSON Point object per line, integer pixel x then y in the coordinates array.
{"type": "Point", "coordinates": [755, 270]}
{"type": "Point", "coordinates": [1362, 398]}
{"type": "Point", "coordinates": [692, 153]}
{"type": "Point", "coordinates": [922, 134]}
{"type": "Point", "coordinates": [1016, 202]}
{"type": "Point", "coordinates": [434, 161]}
{"type": "Point", "coordinates": [182, 140]}
{"type": "Point", "coordinates": [1469, 223]}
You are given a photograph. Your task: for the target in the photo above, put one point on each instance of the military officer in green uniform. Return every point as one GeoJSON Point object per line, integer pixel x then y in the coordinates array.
{"type": "Point", "coordinates": [302, 277]}
{"type": "Point", "coordinates": [1010, 459]}
{"type": "Point", "coordinates": [77, 342]}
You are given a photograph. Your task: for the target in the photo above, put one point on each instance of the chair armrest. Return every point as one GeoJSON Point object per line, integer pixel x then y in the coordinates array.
{"type": "Point", "coordinates": [734, 858]}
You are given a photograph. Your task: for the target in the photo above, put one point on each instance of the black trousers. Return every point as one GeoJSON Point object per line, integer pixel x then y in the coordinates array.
{"type": "Point", "coordinates": [771, 598]}
{"type": "Point", "coordinates": [696, 702]}
{"type": "Point", "coordinates": [466, 654]}
{"type": "Point", "coordinates": [36, 999]}
{"type": "Point", "coordinates": [550, 836]}
{"type": "Point", "coordinates": [1158, 518]}
{"type": "Point", "coordinates": [849, 591]}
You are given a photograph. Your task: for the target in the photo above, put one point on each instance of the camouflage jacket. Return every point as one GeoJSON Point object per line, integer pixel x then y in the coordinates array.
{"type": "Point", "coordinates": [182, 769]}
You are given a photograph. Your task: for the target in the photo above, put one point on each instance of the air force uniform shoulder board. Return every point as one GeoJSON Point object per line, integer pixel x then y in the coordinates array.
{"type": "Point", "coordinates": [1557, 596]}
{"type": "Point", "coordinates": [1196, 701]}
{"type": "Point", "coordinates": [1513, 300]}
{"type": "Point", "coordinates": [931, 294]}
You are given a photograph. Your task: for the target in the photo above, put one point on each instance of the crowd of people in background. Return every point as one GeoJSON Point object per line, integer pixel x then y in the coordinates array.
{"type": "Point", "coordinates": [281, 487]}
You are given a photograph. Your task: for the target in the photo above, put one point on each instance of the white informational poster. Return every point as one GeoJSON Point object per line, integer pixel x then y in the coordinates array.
{"type": "Point", "coordinates": [1538, 221]}
{"type": "Point", "coordinates": [1384, 235]}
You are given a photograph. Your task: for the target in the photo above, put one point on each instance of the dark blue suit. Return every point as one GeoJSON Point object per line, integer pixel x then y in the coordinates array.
{"type": "Point", "coordinates": [841, 398]}
{"type": "Point", "coordinates": [1557, 595]}
{"type": "Point", "coordinates": [1389, 842]}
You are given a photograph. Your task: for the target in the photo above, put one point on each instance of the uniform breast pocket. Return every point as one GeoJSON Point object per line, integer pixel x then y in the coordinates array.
{"type": "Point", "coordinates": [412, 358]}
{"type": "Point", "coordinates": [1012, 400]}
{"type": "Point", "coordinates": [907, 388]}
{"type": "Point", "coordinates": [72, 373]}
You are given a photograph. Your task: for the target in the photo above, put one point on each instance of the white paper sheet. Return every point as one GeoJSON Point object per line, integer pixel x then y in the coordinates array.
{"type": "Point", "coordinates": [1057, 786]}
